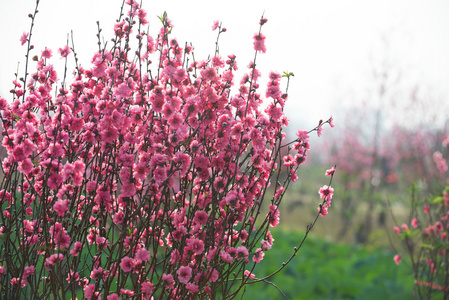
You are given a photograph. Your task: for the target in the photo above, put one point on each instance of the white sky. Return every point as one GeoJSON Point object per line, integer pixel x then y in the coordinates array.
{"type": "Point", "coordinates": [331, 46]}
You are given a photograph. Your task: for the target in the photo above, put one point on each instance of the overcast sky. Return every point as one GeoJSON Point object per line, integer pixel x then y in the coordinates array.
{"type": "Point", "coordinates": [331, 46]}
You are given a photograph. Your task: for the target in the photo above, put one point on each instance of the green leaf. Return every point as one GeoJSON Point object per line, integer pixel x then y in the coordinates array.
{"type": "Point", "coordinates": [17, 118]}
{"type": "Point", "coordinates": [437, 200]}
{"type": "Point", "coordinates": [427, 246]}
{"type": "Point", "coordinates": [414, 232]}
{"type": "Point", "coordinates": [288, 74]}
{"type": "Point", "coordinates": [163, 17]}
{"type": "Point", "coordinates": [187, 142]}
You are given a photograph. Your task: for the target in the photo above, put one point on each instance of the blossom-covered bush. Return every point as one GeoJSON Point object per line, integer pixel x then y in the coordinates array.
{"type": "Point", "coordinates": [426, 237]}
{"type": "Point", "coordinates": [147, 176]}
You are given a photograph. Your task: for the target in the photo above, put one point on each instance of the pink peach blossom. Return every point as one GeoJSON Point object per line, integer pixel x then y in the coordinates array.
{"type": "Point", "coordinates": [24, 38]}
{"type": "Point", "coordinates": [65, 51]}
{"type": "Point", "coordinates": [127, 264]}
{"type": "Point", "coordinates": [184, 274]}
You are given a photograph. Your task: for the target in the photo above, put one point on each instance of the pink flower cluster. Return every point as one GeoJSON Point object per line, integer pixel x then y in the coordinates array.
{"type": "Point", "coordinates": [427, 238]}
{"type": "Point", "coordinates": [132, 182]}
{"type": "Point", "coordinates": [326, 193]}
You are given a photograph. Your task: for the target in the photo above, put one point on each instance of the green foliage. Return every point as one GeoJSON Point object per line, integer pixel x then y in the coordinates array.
{"type": "Point", "coordinates": [324, 270]}
{"type": "Point", "coordinates": [287, 74]}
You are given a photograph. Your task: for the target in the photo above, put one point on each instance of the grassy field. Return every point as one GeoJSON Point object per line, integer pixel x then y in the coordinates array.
{"type": "Point", "coordinates": [330, 266]}
{"type": "Point", "coordinates": [327, 270]}
{"type": "Point", "coordinates": [300, 204]}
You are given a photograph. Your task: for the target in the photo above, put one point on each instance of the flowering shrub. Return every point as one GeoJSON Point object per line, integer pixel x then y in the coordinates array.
{"type": "Point", "coordinates": [426, 238]}
{"type": "Point", "coordinates": [142, 178]}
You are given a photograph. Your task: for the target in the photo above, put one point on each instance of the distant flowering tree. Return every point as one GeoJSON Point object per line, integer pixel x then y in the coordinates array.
{"type": "Point", "coordinates": [382, 147]}
{"type": "Point", "coordinates": [426, 237]}
{"type": "Point", "coordinates": [142, 178]}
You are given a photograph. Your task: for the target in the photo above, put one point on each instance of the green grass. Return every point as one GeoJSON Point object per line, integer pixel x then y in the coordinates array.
{"type": "Point", "coordinates": [324, 270]}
